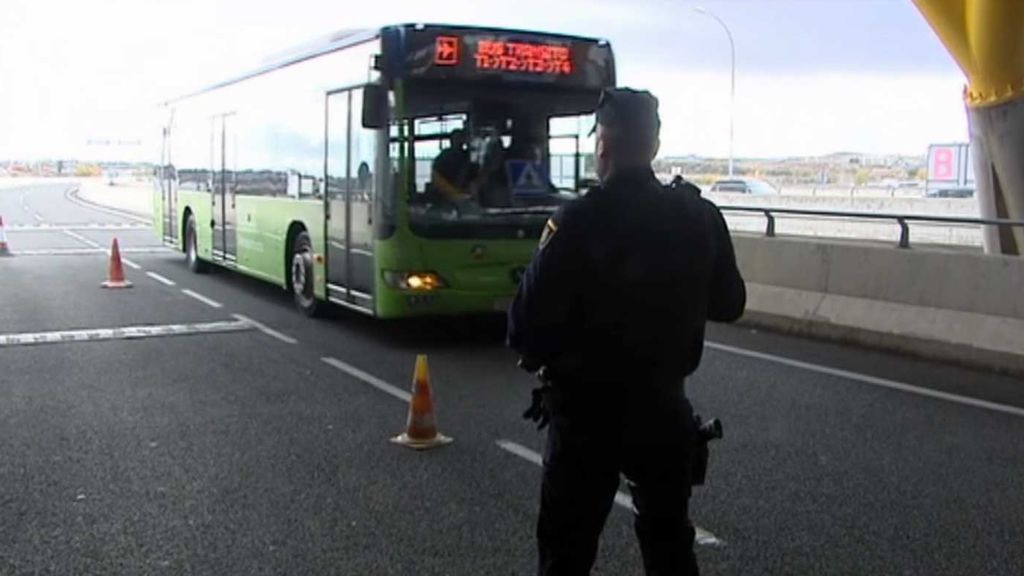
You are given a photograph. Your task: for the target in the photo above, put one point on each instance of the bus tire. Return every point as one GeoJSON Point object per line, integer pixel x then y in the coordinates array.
{"type": "Point", "coordinates": [301, 275]}
{"type": "Point", "coordinates": [195, 264]}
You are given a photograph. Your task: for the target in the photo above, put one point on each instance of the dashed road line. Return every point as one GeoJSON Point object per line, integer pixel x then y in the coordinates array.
{"type": "Point", "coordinates": [703, 537]}
{"type": "Point", "coordinates": [208, 301]}
{"type": "Point", "coordinates": [161, 279]}
{"type": "Point", "coordinates": [80, 238]}
{"type": "Point", "coordinates": [81, 251]}
{"type": "Point", "coordinates": [368, 378]}
{"type": "Point", "coordinates": [129, 263]}
{"type": "Point", "coordinates": [122, 333]}
{"type": "Point", "coordinates": [872, 380]}
{"type": "Point", "coordinates": [266, 329]}
{"type": "Point", "coordinates": [43, 227]}
{"type": "Point", "coordinates": [71, 194]}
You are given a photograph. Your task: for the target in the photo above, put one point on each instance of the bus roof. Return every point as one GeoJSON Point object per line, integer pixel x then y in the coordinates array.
{"type": "Point", "coordinates": [347, 38]}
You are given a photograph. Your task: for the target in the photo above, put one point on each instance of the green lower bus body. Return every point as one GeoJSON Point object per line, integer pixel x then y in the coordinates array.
{"type": "Point", "coordinates": [481, 276]}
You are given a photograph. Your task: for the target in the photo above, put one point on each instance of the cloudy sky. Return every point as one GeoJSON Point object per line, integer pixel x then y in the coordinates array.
{"type": "Point", "coordinates": [813, 76]}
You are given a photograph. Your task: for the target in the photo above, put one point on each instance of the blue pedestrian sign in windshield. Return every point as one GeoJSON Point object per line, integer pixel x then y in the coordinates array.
{"type": "Point", "coordinates": [527, 178]}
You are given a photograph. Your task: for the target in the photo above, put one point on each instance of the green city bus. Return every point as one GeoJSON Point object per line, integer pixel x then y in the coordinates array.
{"type": "Point", "coordinates": [315, 171]}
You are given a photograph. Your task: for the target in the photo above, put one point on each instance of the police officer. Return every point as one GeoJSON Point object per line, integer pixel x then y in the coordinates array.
{"type": "Point", "coordinates": [613, 309]}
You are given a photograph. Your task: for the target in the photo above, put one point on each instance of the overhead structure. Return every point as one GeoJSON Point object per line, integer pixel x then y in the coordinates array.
{"type": "Point", "coordinates": [986, 38]}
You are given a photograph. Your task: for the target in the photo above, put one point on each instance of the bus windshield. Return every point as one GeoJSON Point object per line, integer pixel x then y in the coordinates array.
{"type": "Point", "coordinates": [496, 167]}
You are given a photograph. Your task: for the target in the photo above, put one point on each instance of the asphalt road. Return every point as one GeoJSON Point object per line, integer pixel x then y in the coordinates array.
{"type": "Point", "coordinates": [244, 452]}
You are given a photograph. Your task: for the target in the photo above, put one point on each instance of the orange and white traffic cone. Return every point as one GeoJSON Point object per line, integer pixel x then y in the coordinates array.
{"type": "Point", "coordinates": [115, 275]}
{"type": "Point", "coordinates": [4, 249]}
{"type": "Point", "coordinates": [421, 429]}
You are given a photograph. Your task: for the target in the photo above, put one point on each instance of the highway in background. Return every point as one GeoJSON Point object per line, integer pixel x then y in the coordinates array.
{"type": "Point", "coordinates": [231, 435]}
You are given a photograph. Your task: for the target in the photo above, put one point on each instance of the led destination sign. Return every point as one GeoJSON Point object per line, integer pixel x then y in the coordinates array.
{"type": "Point", "coordinates": [453, 53]}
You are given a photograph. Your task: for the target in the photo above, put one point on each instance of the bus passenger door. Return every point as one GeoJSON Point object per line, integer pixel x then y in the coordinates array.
{"type": "Point", "coordinates": [167, 180]}
{"type": "Point", "coordinates": [363, 172]}
{"type": "Point", "coordinates": [337, 194]}
{"type": "Point", "coordinates": [217, 189]}
{"type": "Point", "coordinates": [230, 136]}
{"type": "Point", "coordinates": [224, 225]}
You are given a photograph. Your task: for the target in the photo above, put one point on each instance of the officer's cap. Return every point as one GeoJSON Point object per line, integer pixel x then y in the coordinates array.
{"type": "Point", "coordinates": [631, 114]}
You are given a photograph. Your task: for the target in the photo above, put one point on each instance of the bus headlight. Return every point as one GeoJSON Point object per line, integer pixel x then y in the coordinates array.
{"type": "Point", "coordinates": [418, 281]}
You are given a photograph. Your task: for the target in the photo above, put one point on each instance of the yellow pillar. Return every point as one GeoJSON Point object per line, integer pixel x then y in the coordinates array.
{"type": "Point", "coordinates": [986, 38]}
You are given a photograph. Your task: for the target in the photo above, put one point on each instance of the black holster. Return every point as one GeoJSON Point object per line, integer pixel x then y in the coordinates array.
{"type": "Point", "coordinates": [540, 402]}
{"type": "Point", "coordinates": [706, 432]}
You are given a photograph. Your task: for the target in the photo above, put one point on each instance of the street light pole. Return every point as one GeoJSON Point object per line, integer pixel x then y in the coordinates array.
{"type": "Point", "coordinates": [732, 77]}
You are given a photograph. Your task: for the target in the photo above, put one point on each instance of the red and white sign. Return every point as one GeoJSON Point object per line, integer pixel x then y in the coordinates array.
{"type": "Point", "coordinates": [942, 163]}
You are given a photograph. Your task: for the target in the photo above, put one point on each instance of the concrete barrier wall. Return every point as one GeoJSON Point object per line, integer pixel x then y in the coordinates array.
{"type": "Point", "coordinates": [954, 306]}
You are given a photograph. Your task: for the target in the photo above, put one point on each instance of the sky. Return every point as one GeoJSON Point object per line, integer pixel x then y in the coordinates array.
{"type": "Point", "coordinates": [812, 76]}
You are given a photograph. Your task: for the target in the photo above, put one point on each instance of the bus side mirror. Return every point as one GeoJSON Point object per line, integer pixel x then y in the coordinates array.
{"type": "Point", "coordinates": [375, 110]}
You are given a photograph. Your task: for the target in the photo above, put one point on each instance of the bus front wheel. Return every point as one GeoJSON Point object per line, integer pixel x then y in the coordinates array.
{"type": "Point", "coordinates": [192, 248]}
{"type": "Point", "coordinates": [302, 279]}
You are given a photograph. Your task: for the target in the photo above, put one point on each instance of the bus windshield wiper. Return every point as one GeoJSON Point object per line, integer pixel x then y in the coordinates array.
{"type": "Point", "coordinates": [514, 211]}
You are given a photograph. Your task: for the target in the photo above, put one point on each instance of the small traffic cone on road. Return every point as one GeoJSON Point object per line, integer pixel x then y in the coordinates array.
{"type": "Point", "coordinates": [421, 429]}
{"type": "Point", "coordinates": [4, 250]}
{"type": "Point", "coordinates": [115, 276]}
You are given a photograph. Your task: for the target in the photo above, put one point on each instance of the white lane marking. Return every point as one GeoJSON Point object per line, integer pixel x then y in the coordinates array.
{"type": "Point", "coordinates": [62, 227]}
{"type": "Point", "coordinates": [358, 251]}
{"type": "Point", "coordinates": [368, 378]}
{"type": "Point", "coordinates": [80, 238]}
{"type": "Point", "coordinates": [703, 537]}
{"type": "Point", "coordinates": [71, 194]}
{"type": "Point", "coordinates": [201, 298]}
{"type": "Point", "coordinates": [874, 381]}
{"type": "Point", "coordinates": [80, 251]}
{"type": "Point", "coordinates": [267, 330]}
{"type": "Point", "coordinates": [131, 264]}
{"type": "Point", "coordinates": [161, 279]}
{"type": "Point", "coordinates": [123, 333]}
{"type": "Point", "coordinates": [150, 250]}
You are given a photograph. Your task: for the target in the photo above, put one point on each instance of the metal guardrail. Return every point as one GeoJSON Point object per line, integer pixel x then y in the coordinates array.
{"type": "Point", "coordinates": [902, 219]}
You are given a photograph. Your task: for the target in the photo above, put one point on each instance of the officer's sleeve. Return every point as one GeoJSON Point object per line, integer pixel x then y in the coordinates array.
{"type": "Point", "coordinates": [728, 297]}
{"type": "Point", "coordinates": [539, 318]}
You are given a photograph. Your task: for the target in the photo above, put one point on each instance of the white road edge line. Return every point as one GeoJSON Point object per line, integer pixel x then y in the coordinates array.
{"type": "Point", "coordinates": [368, 378]}
{"type": "Point", "coordinates": [121, 333]}
{"type": "Point", "coordinates": [135, 266]}
{"type": "Point", "coordinates": [71, 195]}
{"type": "Point", "coordinates": [874, 381]}
{"type": "Point", "coordinates": [201, 298]}
{"type": "Point", "coordinates": [80, 238]}
{"type": "Point", "coordinates": [703, 537]}
{"type": "Point", "coordinates": [267, 329]}
{"type": "Point", "coordinates": [161, 279]}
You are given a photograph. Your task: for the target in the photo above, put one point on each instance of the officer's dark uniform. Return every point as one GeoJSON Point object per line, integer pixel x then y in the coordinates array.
{"type": "Point", "coordinates": [614, 306]}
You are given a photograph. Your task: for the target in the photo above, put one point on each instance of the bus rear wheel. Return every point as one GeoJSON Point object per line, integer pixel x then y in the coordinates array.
{"type": "Point", "coordinates": [195, 264]}
{"type": "Point", "coordinates": [302, 275]}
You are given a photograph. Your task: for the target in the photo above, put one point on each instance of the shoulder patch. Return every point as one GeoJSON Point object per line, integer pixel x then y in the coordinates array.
{"type": "Point", "coordinates": [549, 232]}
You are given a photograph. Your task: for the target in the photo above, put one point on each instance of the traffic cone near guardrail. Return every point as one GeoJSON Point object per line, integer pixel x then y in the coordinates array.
{"type": "Point", "coordinates": [421, 428]}
{"type": "Point", "coordinates": [4, 250]}
{"type": "Point", "coordinates": [115, 275]}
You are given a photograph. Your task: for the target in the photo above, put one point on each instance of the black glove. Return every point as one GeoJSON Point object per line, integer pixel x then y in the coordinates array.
{"type": "Point", "coordinates": [537, 411]}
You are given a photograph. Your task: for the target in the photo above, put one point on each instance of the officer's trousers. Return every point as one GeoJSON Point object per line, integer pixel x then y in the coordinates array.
{"type": "Point", "coordinates": [650, 441]}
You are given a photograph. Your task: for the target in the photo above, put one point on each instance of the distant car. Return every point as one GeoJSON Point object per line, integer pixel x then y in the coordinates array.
{"type": "Point", "coordinates": [744, 186]}
{"type": "Point", "coordinates": [950, 193]}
